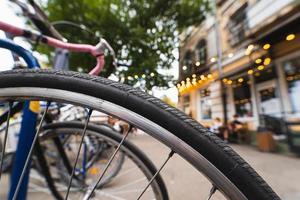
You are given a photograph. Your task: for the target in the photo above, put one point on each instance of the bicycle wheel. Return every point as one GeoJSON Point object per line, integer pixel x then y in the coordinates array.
{"type": "Point", "coordinates": [97, 149]}
{"type": "Point", "coordinates": [227, 171]}
{"type": "Point", "coordinates": [11, 143]}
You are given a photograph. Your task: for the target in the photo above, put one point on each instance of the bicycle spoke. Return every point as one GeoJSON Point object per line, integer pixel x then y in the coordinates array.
{"type": "Point", "coordinates": [78, 153]}
{"type": "Point", "coordinates": [91, 191]}
{"type": "Point", "coordinates": [5, 138]}
{"type": "Point", "coordinates": [30, 151]}
{"type": "Point", "coordinates": [156, 174]}
{"type": "Point", "coordinates": [212, 191]}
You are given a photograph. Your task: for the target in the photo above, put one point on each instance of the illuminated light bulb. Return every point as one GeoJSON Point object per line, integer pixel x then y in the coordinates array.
{"type": "Point", "coordinates": [260, 67]}
{"type": "Point", "coordinates": [194, 75]}
{"type": "Point", "coordinates": [184, 67]}
{"type": "Point", "coordinates": [290, 37]}
{"type": "Point", "coordinates": [267, 61]}
{"type": "Point", "coordinates": [230, 55]}
{"type": "Point", "coordinates": [240, 80]}
{"type": "Point", "coordinates": [188, 79]}
{"type": "Point", "coordinates": [250, 71]}
{"type": "Point", "coordinates": [209, 76]}
{"type": "Point", "coordinates": [152, 74]}
{"type": "Point", "coordinates": [198, 63]}
{"type": "Point", "coordinates": [247, 53]}
{"type": "Point", "coordinates": [258, 60]}
{"type": "Point", "coordinates": [213, 59]}
{"type": "Point", "coordinates": [266, 46]}
{"type": "Point", "coordinates": [229, 82]}
{"type": "Point", "coordinates": [136, 76]}
{"type": "Point", "coordinates": [225, 80]}
{"type": "Point", "coordinates": [202, 77]}
{"type": "Point", "coordinates": [143, 76]}
{"type": "Point", "coordinates": [250, 47]}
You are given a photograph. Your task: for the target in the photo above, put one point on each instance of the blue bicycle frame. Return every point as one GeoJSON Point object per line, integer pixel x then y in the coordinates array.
{"type": "Point", "coordinates": [27, 131]}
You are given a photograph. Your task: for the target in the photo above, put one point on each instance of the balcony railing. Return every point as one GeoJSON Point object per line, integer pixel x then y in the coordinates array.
{"type": "Point", "coordinates": [237, 33]}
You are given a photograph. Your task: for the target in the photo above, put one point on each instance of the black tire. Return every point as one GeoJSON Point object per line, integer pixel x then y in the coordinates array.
{"type": "Point", "coordinates": [54, 129]}
{"type": "Point", "coordinates": [176, 122]}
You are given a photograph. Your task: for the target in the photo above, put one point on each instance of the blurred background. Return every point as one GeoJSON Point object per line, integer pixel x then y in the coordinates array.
{"type": "Point", "coordinates": [233, 65]}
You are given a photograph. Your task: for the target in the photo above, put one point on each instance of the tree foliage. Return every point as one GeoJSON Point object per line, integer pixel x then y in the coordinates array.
{"type": "Point", "coordinates": [143, 32]}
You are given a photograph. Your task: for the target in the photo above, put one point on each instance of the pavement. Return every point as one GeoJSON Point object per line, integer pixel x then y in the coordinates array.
{"type": "Point", "coordinates": [282, 172]}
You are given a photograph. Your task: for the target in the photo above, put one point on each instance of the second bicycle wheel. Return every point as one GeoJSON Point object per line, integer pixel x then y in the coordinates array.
{"type": "Point", "coordinates": [227, 172]}
{"type": "Point", "coordinates": [99, 141]}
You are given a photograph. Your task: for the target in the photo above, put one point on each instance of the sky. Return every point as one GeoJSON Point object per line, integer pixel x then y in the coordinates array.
{"type": "Point", "coordinates": [8, 15]}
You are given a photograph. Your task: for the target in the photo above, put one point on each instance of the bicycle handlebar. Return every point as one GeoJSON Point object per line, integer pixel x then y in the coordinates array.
{"type": "Point", "coordinates": [97, 51]}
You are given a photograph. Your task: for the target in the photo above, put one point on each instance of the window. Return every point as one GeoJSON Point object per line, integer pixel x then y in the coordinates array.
{"type": "Point", "coordinates": [187, 62]}
{"type": "Point", "coordinates": [201, 52]}
{"type": "Point", "coordinates": [242, 97]}
{"type": "Point", "coordinates": [186, 105]}
{"type": "Point", "coordinates": [205, 103]}
{"type": "Point", "coordinates": [237, 26]}
{"type": "Point", "coordinates": [292, 72]}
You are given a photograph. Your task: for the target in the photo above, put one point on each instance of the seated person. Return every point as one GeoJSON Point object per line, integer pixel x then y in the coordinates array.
{"type": "Point", "coordinates": [235, 126]}
{"type": "Point", "coordinates": [219, 129]}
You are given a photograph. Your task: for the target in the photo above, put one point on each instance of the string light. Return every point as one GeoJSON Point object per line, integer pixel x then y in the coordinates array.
{"type": "Point", "coordinates": [250, 71]}
{"type": "Point", "coordinates": [225, 80]}
{"type": "Point", "coordinates": [178, 85]}
{"type": "Point", "coordinates": [136, 76]}
{"type": "Point", "coordinates": [266, 46]}
{"type": "Point", "coordinates": [249, 49]}
{"type": "Point", "coordinates": [202, 77]}
{"type": "Point", "coordinates": [229, 82]}
{"type": "Point", "coordinates": [187, 79]}
{"type": "Point", "coordinates": [194, 82]}
{"type": "Point", "coordinates": [188, 84]}
{"type": "Point", "coordinates": [209, 76]}
{"type": "Point", "coordinates": [184, 68]}
{"type": "Point", "coordinates": [129, 77]}
{"type": "Point", "coordinates": [194, 75]}
{"type": "Point", "coordinates": [240, 80]}
{"type": "Point", "coordinates": [258, 60]}
{"type": "Point", "coordinates": [260, 67]}
{"type": "Point", "coordinates": [267, 61]}
{"type": "Point", "coordinates": [143, 76]}
{"type": "Point", "coordinates": [198, 63]}
{"type": "Point", "coordinates": [152, 74]}
{"type": "Point", "coordinates": [290, 37]}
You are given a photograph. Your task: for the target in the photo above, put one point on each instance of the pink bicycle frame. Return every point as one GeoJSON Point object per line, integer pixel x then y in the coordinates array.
{"type": "Point", "coordinates": [95, 51]}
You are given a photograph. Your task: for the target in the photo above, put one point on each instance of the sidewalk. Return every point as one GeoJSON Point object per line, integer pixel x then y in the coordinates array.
{"type": "Point", "coordinates": [282, 172]}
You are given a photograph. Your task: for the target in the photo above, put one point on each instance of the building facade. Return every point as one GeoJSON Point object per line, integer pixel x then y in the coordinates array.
{"type": "Point", "coordinates": [244, 60]}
